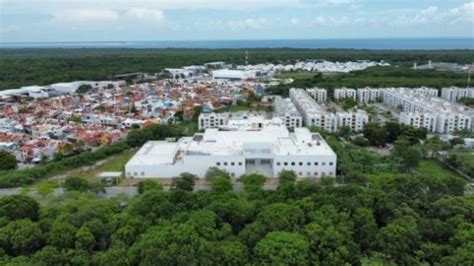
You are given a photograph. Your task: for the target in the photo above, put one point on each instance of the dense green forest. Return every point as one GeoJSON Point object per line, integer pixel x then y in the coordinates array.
{"type": "Point", "coordinates": [402, 221]}
{"type": "Point", "coordinates": [20, 67]}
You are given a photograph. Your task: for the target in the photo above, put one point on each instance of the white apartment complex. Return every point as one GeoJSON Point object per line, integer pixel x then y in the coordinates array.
{"type": "Point", "coordinates": [212, 120]}
{"type": "Point", "coordinates": [356, 120]}
{"type": "Point", "coordinates": [343, 93]}
{"type": "Point", "coordinates": [286, 110]}
{"type": "Point", "coordinates": [422, 107]}
{"type": "Point", "coordinates": [313, 113]}
{"type": "Point", "coordinates": [454, 94]}
{"type": "Point", "coordinates": [419, 119]}
{"type": "Point", "coordinates": [316, 115]}
{"type": "Point", "coordinates": [319, 95]}
{"type": "Point", "coordinates": [244, 149]}
{"type": "Point", "coordinates": [367, 95]}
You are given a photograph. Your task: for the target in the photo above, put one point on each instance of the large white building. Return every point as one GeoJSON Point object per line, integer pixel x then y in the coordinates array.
{"type": "Point", "coordinates": [243, 149]}
{"type": "Point", "coordinates": [343, 93]}
{"type": "Point", "coordinates": [286, 110]}
{"type": "Point", "coordinates": [454, 94]}
{"type": "Point", "coordinates": [422, 105]}
{"type": "Point", "coordinates": [233, 74]}
{"type": "Point", "coordinates": [319, 95]}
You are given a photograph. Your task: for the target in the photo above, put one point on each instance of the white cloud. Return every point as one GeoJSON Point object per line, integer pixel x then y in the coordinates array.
{"type": "Point", "coordinates": [86, 15]}
{"type": "Point", "coordinates": [464, 12]}
{"type": "Point", "coordinates": [124, 5]}
{"type": "Point", "coordinates": [155, 15]}
{"type": "Point", "coordinates": [331, 21]}
{"type": "Point", "coordinates": [237, 24]}
{"type": "Point", "coordinates": [249, 23]}
{"type": "Point", "coordinates": [424, 16]}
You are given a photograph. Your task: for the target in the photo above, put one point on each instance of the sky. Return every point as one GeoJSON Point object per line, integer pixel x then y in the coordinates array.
{"type": "Point", "coordinates": [155, 20]}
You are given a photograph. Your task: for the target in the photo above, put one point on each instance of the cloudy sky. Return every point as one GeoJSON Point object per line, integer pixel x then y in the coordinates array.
{"type": "Point", "coordinates": [125, 20]}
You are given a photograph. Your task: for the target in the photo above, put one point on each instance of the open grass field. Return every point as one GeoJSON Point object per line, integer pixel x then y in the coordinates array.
{"type": "Point", "coordinates": [434, 169]}
{"type": "Point", "coordinates": [115, 163]}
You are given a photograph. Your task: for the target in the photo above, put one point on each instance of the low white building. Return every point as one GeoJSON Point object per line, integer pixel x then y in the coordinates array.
{"type": "Point", "coordinates": [267, 150]}
{"type": "Point", "coordinates": [319, 95]}
{"type": "Point", "coordinates": [233, 74]}
{"type": "Point", "coordinates": [343, 93]}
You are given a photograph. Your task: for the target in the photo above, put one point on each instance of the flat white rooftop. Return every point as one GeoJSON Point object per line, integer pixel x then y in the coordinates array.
{"type": "Point", "coordinates": [272, 140]}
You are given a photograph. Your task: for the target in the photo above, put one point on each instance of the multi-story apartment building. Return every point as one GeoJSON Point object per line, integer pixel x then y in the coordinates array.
{"type": "Point", "coordinates": [426, 91]}
{"type": "Point", "coordinates": [286, 110]}
{"type": "Point", "coordinates": [418, 120]}
{"type": "Point", "coordinates": [318, 94]}
{"type": "Point", "coordinates": [415, 104]}
{"type": "Point", "coordinates": [454, 94]}
{"type": "Point", "coordinates": [450, 121]}
{"type": "Point", "coordinates": [356, 120]}
{"type": "Point", "coordinates": [342, 93]}
{"type": "Point", "coordinates": [313, 113]}
{"type": "Point", "coordinates": [212, 120]}
{"type": "Point", "coordinates": [367, 95]}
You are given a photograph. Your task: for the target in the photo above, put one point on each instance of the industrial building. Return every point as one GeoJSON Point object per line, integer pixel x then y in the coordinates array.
{"type": "Point", "coordinates": [266, 148]}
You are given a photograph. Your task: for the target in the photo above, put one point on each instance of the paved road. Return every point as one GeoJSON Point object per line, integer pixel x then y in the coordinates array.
{"type": "Point", "coordinates": [114, 191]}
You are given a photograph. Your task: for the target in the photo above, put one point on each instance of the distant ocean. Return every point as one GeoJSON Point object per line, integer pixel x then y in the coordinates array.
{"type": "Point", "coordinates": [373, 44]}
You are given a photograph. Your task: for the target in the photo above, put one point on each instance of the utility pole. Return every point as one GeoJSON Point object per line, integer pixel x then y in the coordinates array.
{"type": "Point", "coordinates": [246, 57]}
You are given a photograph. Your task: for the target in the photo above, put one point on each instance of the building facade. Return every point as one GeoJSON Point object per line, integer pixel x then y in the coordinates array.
{"type": "Point", "coordinates": [415, 105]}
{"type": "Point", "coordinates": [343, 93]}
{"type": "Point", "coordinates": [355, 120]}
{"type": "Point", "coordinates": [268, 150]}
{"type": "Point", "coordinates": [319, 95]}
{"type": "Point", "coordinates": [367, 95]}
{"type": "Point", "coordinates": [286, 110]}
{"type": "Point", "coordinates": [454, 94]}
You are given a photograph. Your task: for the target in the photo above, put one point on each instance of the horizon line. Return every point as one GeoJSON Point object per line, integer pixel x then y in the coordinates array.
{"type": "Point", "coordinates": [217, 40]}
